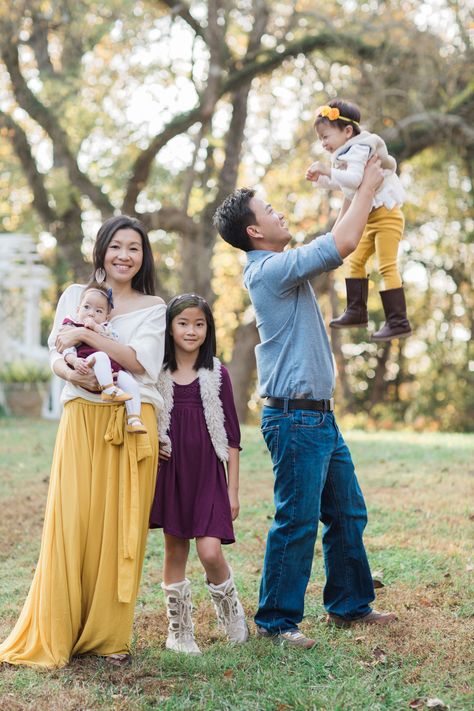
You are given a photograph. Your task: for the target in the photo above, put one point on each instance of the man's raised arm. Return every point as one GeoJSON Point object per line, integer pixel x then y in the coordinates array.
{"type": "Point", "coordinates": [348, 230]}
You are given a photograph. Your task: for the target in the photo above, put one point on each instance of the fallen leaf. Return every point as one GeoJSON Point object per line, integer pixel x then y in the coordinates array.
{"type": "Point", "coordinates": [416, 704]}
{"type": "Point", "coordinates": [377, 583]}
{"type": "Point", "coordinates": [436, 704]}
{"type": "Point", "coordinates": [359, 639]}
{"type": "Point", "coordinates": [425, 602]}
{"type": "Point", "coordinates": [229, 673]}
{"type": "Point", "coordinates": [447, 575]}
{"type": "Point", "coordinates": [379, 654]}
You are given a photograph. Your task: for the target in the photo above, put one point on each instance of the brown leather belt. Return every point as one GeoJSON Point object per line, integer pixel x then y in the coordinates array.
{"type": "Point", "coordinates": [319, 405]}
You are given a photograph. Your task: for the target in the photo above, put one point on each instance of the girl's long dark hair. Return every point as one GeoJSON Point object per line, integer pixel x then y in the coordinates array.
{"type": "Point", "coordinates": [208, 349]}
{"type": "Point", "coordinates": [144, 280]}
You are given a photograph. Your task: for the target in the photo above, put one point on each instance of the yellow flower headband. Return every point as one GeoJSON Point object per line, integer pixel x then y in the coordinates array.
{"type": "Point", "coordinates": [333, 114]}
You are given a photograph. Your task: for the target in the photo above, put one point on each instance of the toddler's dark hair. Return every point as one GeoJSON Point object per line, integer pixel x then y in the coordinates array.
{"type": "Point", "coordinates": [103, 288]}
{"type": "Point", "coordinates": [207, 351]}
{"type": "Point", "coordinates": [346, 109]}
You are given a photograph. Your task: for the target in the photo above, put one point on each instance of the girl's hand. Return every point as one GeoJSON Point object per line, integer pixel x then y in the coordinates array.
{"type": "Point", "coordinates": [234, 503]}
{"type": "Point", "coordinates": [68, 336]}
{"type": "Point", "coordinates": [88, 381]}
{"type": "Point", "coordinates": [82, 366]}
{"type": "Point", "coordinates": [162, 454]}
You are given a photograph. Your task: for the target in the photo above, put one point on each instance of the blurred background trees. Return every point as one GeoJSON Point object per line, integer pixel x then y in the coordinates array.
{"type": "Point", "coordinates": [159, 109]}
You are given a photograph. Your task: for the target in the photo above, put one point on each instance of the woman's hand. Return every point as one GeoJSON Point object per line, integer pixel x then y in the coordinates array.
{"type": "Point", "coordinates": [67, 337]}
{"type": "Point", "coordinates": [234, 503]}
{"type": "Point", "coordinates": [163, 454]}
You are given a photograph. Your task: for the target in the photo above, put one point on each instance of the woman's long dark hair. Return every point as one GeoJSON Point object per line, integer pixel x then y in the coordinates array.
{"type": "Point", "coordinates": [144, 280]}
{"type": "Point", "coordinates": [208, 349]}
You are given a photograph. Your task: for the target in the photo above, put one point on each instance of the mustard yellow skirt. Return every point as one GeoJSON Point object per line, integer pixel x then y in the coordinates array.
{"type": "Point", "coordinates": [83, 593]}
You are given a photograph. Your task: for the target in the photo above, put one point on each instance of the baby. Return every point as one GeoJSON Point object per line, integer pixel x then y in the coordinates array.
{"type": "Point", "coordinates": [338, 127]}
{"type": "Point", "coordinates": [93, 312]}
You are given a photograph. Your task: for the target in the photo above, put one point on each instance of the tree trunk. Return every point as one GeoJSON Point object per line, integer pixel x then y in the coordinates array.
{"type": "Point", "coordinates": [378, 390]}
{"type": "Point", "coordinates": [242, 366]}
{"type": "Point", "coordinates": [342, 386]}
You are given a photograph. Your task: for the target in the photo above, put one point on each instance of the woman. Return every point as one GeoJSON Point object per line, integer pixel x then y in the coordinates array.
{"type": "Point", "coordinates": [83, 594]}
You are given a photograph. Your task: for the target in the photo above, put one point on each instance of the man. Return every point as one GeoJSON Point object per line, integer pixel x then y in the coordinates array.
{"type": "Point", "coordinates": [314, 474]}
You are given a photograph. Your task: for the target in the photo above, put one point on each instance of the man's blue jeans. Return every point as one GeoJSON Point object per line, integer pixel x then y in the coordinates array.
{"type": "Point", "coordinates": [314, 480]}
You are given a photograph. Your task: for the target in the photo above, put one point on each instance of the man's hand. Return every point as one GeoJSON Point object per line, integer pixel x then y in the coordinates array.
{"type": "Point", "coordinates": [316, 169]}
{"type": "Point", "coordinates": [373, 175]}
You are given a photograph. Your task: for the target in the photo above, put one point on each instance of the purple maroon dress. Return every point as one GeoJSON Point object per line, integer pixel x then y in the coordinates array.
{"type": "Point", "coordinates": [191, 498]}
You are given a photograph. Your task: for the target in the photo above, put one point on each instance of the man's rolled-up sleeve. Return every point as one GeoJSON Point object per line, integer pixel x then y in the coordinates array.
{"type": "Point", "coordinates": [285, 270]}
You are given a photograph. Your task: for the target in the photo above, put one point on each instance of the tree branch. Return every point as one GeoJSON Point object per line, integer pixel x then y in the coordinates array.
{"type": "Point", "coordinates": [43, 116]}
{"type": "Point", "coordinates": [169, 219]}
{"type": "Point", "coordinates": [38, 41]}
{"type": "Point", "coordinates": [35, 179]}
{"type": "Point", "coordinates": [243, 72]}
{"type": "Point", "coordinates": [181, 9]}
{"type": "Point", "coordinates": [419, 131]}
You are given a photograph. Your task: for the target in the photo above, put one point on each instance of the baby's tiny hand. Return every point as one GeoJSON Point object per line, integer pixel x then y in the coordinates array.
{"type": "Point", "coordinates": [82, 366]}
{"type": "Point", "coordinates": [315, 170]}
{"type": "Point", "coordinates": [90, 323]}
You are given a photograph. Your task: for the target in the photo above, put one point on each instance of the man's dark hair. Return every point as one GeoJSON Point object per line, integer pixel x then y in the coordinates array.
{"type": "Point", "coordinates": [207, 351]}
{"type": "Point", "coordinates": [233, 217]}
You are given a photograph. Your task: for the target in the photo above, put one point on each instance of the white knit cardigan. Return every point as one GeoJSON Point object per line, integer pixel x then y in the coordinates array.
{"type": "Point", "coordinates": [210, 385]}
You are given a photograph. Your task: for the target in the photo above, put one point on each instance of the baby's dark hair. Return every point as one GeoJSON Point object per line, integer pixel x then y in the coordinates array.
{"type": "Point", "coordinates": [233, 216]}
{"type": "Point", "coordinates": [347, 110]}
{"type": "Point", "coordinates": [207, 351]}
{"type": "Point", "coordinates": [103, 288]}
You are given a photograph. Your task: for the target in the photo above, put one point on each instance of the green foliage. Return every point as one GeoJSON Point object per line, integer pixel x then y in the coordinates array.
{"type": "Point", "coordinates": [417, 491]}
{"type": "Point", "coordinates": [24, 371]}
{"type": "Point", "coordinates": [111, 76]}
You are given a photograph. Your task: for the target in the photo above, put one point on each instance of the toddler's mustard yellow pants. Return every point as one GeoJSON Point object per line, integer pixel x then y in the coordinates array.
{"type": "Point", "coordinates": [382, 235]}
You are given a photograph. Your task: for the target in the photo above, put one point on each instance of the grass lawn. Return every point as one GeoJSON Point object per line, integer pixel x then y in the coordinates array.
{"type": "Point", "coordinates": [419, 492]}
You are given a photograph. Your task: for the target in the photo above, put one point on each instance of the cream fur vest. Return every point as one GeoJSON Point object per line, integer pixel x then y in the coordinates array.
{"type": "Point", "coordinates": [209, 385]}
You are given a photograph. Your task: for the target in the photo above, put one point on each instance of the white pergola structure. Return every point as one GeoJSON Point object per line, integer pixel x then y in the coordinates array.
{"type": "Point", "coordinates": [22, 279]}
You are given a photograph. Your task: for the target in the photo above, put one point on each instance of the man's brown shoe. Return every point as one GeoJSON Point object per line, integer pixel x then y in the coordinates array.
{"type": "Point", "coordinates": [373, 618]}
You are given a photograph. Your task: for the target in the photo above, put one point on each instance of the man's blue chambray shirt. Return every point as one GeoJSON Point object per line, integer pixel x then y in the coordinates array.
{"type": "Point", "coordinates": [294, 357]}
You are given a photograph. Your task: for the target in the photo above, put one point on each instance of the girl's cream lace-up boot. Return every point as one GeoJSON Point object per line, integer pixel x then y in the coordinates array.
{"type": "Point", "coordinates": [229, 610]}
{"type": "Point", "coordinates": [180, 624]}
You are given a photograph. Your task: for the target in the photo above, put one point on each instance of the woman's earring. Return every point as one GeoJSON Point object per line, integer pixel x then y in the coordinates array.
{"type": "Point", "coordinates": [100, 275]}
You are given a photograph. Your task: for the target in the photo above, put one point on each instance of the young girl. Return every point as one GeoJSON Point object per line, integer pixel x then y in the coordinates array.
{"type": "Point", "coordinates": [198, 432]}
{"type": "Point", "coordinates": [93, 312]}
{"type": "Point", "coordinates": [337, 126]}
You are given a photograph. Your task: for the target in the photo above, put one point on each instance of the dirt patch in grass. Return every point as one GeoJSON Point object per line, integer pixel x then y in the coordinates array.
{"type": "Point", "coordinates": [22, 518]}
